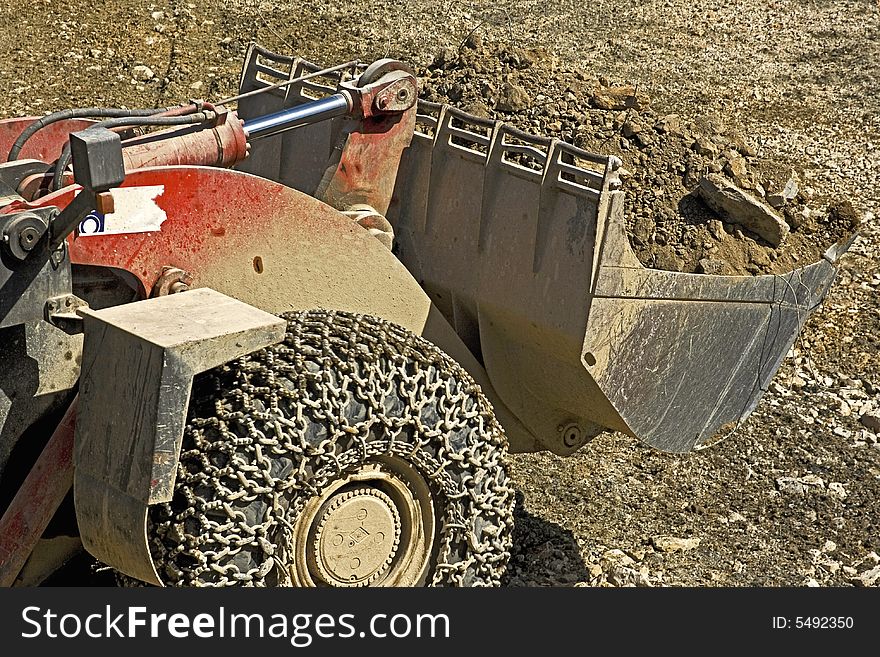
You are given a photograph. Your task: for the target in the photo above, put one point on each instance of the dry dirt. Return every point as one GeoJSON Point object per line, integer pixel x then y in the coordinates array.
{"type": "Point", "coordinates": [792, 497]}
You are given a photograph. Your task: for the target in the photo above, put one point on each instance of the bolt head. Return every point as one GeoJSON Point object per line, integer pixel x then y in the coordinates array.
{"type": "Point", "coordinates": [28, 237]}
{"type": "Point", "coordinates": [571, 435]}
{"type": "Point", "coordinates": [177, 287]}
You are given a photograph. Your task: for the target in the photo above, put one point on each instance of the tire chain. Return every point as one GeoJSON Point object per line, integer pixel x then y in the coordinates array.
{"type": "Point", "coordinates": [274, 428]}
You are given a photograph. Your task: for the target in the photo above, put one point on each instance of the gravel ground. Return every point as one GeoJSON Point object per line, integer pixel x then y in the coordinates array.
{"type": "Point", "coordinates": [791, 497]}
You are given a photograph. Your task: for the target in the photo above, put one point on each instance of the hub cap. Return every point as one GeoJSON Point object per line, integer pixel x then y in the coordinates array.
{"type": "Point", "coordinates": [357, 537]}
{"type": "Point", "coordinates": [374, 527]}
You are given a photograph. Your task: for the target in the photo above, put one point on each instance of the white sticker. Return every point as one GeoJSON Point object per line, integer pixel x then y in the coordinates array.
{"type": "Point", "coordinates": [134, 211]}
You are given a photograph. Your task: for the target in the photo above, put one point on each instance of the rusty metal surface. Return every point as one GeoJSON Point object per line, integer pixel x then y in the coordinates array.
{"type": "Point", "coordinates": [366, 169]}
{"type": "Point", "coordinates": [37, 499]}
{"type": "Point", "coordinates": [171, 281]}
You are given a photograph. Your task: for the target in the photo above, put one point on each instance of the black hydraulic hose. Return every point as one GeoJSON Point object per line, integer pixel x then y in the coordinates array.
{"type": "Point", "coordinates": [128, 122]}
{"type": "Point", "coordinates": [78, 113]}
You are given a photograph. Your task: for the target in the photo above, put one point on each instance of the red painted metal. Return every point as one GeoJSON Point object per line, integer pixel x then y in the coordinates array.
{"type": "Point", "coordinates": [38, 185]}
{"type": "Point", "coordinates": [374, 143]}
{"type": "Point", "coordinates": [45, 145]}
{"type": "Point", "coordinates": [37, 499]}
{"type": "Point", "coordinates": [367, 169]}
{"type": "Point", "coordinates": [214, 217]}
{"type": "Point", "coordinates": [223, 145]}
{"type": "Point", "coordinates": [212, 213]}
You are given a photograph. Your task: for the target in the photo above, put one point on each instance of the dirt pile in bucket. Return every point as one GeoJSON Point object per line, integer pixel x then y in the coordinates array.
{"type": "Point", "coordinates": [699, 198]}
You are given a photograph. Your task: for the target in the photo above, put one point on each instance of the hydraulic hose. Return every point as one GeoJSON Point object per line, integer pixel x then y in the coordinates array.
{"type": "Point", "coordinates": [128, 122]}
{"type": "Point", "coordinates": [78, 113]}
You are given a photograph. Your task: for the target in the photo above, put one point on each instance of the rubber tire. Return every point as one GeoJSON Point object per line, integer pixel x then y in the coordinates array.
{"type": "Point", "coordinates": [369, 345]}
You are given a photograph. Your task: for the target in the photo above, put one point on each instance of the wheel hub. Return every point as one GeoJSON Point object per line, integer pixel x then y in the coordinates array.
{"type": "Point", "coordinates": [373, 527]}
{"type": "Point", "coordinates": [357, 537]}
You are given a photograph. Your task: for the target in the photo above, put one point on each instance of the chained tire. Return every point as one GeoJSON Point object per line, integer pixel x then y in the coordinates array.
{"type": "Point", "coordinates": [354, 453]}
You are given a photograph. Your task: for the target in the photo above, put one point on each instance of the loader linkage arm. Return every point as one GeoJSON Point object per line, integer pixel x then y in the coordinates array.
{"type": "Point", "coordinates": [371, 104]}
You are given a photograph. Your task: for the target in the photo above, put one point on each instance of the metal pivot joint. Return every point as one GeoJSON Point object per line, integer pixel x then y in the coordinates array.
{"type": "Point", "coordinates": [21, 234]}
{"type": "Point", "coordinates": [385, 90]}
{"type": "Point", "coordinates": [62, 312]}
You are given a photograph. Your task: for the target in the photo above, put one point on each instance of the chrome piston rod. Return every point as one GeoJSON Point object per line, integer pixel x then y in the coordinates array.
{"type": "Point", "coordinates": [339, 104]}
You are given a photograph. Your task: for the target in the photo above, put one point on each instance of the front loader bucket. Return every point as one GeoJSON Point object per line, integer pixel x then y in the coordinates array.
{"type": "Point", "coordinates": [520, 242]}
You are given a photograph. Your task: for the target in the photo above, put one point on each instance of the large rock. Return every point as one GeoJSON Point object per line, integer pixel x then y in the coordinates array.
{"type": "Point", "coordinates": [630, 129]}
{"type": "Point", "coordinates": [712, 267]}
{"type": "Point", "coordinates": [740, 207]}
{"type": "Point", "coordinates": [671, 125]}
{"type": "Point", "coordinates": [704, 146]}
{"type": "Point", "coordinates": [788, 193]}
{"type": "Point", "coordinates": [800, 485]}
{"type": "Point", "coordinates": [513, 98]}
{"type": "Point", "coordinates": [142, 73]}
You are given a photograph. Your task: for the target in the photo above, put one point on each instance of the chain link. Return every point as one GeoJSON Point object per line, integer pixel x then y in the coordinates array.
{"type": "Point", "coordinates": [269, 431]}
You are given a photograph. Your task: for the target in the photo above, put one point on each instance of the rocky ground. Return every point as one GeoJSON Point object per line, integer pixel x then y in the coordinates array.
{"type": "Point", "coordinates": [778, 97]}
